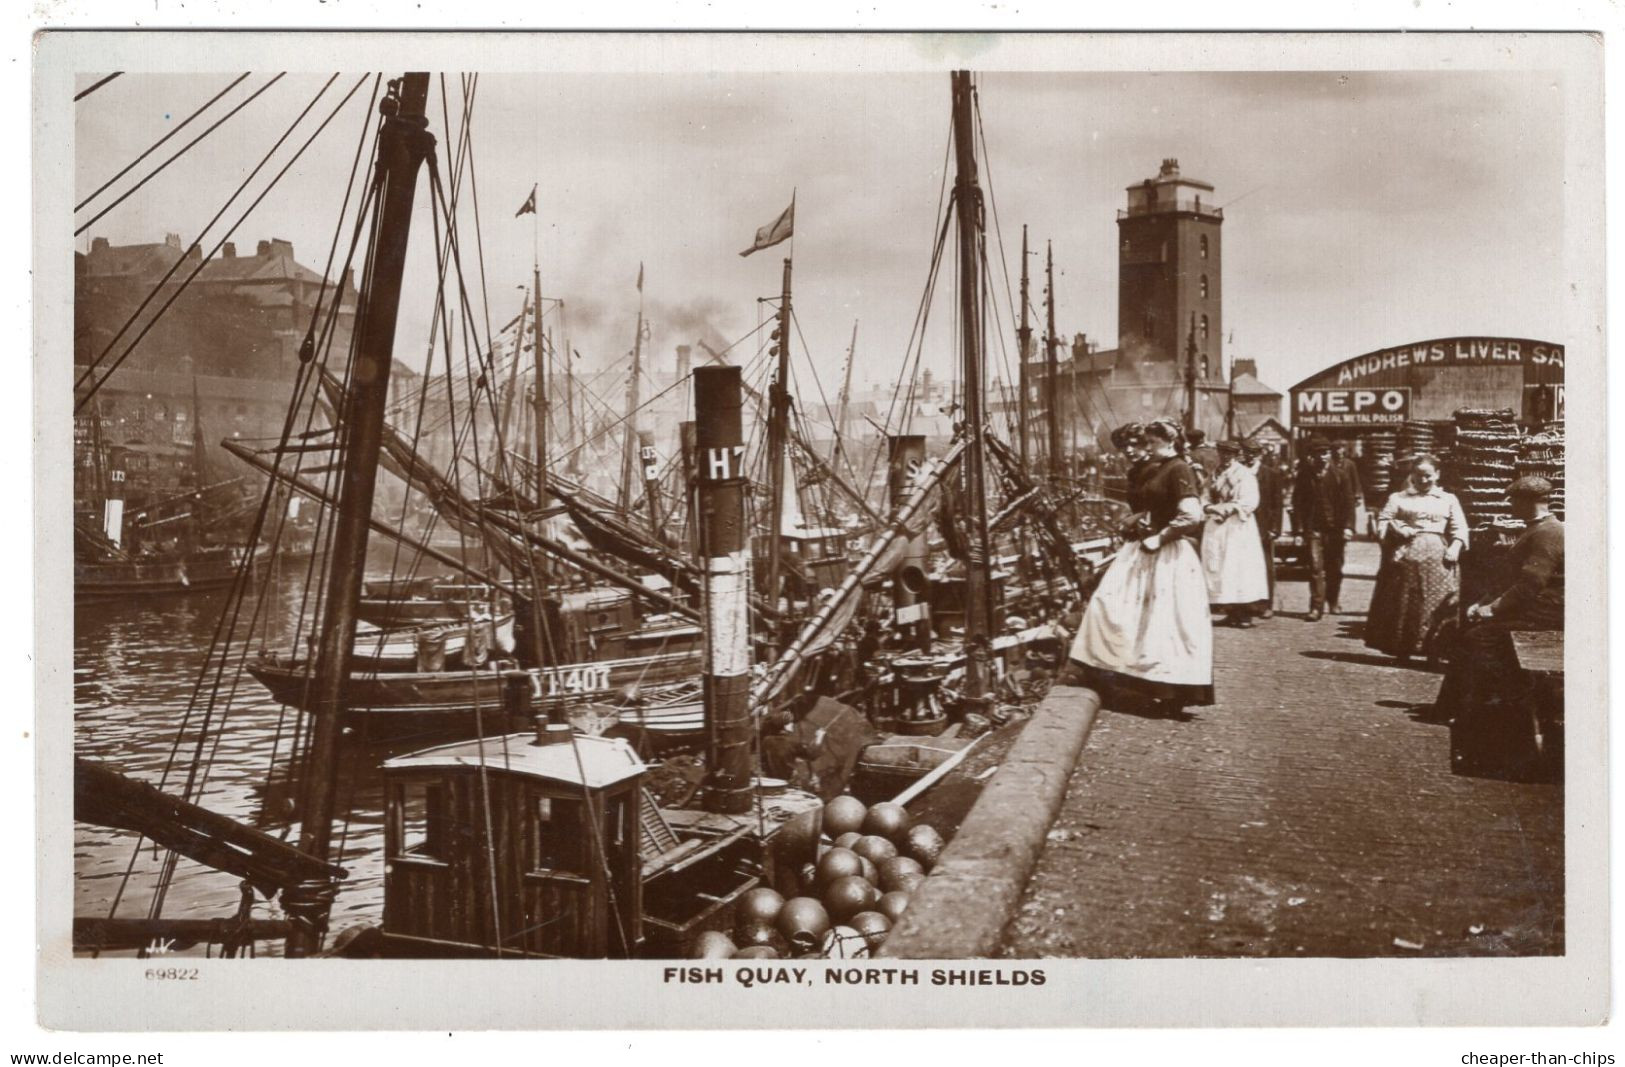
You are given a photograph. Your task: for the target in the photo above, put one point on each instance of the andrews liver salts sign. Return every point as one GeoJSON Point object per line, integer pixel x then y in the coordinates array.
{"type": "Point", "coordinates": [1351, 407]}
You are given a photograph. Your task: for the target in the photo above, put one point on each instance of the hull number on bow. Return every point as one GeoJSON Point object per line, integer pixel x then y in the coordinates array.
{"type": "Point", "coordinates": [569, 681]}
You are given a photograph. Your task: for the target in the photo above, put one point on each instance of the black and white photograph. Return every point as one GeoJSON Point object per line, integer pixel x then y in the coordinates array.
{"type": "Point", "coordinates": [930, 512]}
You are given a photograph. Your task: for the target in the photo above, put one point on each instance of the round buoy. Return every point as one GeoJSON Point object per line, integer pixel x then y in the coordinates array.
{"type": "Point", "coordinates": [924, 844]}
{"type": "Point", "coordinates": [757, 952]}
{"type": "Point", "coordinates": [837, 863]}
{"type": "Point", "coordinates": [893, 904]}
{"type": "Point", "coordinates": [848, 839]}
{"type": "Point", "coordinates": [712, 945]}
{"type": "Point", "coordinates": [893, 871]}
{"type": "Point", "coordinates": [845, 897]}
{"type": "Point", "coordinates": [873, 925]}
{"type": "Point", "coordinates": [875, 849]}
{"type": "Point", "coordinates": [843, 814]}
{"type": "Point", "coordinates": [760, 905]}
{"type": "Point", "coordinates": [844, 943]}
{"type": "Point", "coordinates": [887, 820]}
{"type": "Point", "coordinates": [803, 921]}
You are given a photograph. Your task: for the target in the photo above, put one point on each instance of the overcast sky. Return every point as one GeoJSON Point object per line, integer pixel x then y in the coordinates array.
{"type": "Point", "coordinates": [1361, 210]}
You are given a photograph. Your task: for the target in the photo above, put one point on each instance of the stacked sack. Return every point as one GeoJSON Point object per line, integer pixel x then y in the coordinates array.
{"type": "Point", "coordinates": [1377, 465]}
{"type": "Point", "coordinates": [851, 897]}
{"type": "Point", "coordinates": [1483, 463]}
{"type": "Point", "coordinates": [1416, 438]}
{"type": "Point", "coordinates": [1542, 454]}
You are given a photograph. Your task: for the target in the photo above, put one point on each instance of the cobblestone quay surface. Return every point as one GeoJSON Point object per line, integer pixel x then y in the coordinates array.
{"type": "Point", "coordinates": [1311, 812]}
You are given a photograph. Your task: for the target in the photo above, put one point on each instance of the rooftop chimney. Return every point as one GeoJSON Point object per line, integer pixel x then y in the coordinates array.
{"type": "Point", "coordinates": [173, 240]}
{"type": "Point", "coordinates": [98, 244]}
{"type": "Point", "coordinates": [230, 250]}
{"type": "Point", "coordinates": [1170, 168]}
{"type": "Point", "coordinates": [1238, 367]}
{"type": "Point", "coordinates": [263, 249]}
{"type": "Point", "coordinates": [281, 247]}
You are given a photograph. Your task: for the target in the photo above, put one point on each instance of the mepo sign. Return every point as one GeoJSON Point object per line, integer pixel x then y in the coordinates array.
{"type": "Point", "coordinates": [1351, 407]}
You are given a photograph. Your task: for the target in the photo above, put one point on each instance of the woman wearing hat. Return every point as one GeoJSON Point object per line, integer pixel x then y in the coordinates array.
{"type": "Point", "coordinates": [1423, 531]}
{"type": "Point", "coordinates": [1232, 553]}
{"type": "Point", "coordinates": [1147, 628]}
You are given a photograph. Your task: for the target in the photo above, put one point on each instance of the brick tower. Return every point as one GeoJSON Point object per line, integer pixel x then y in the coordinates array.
{"type": "Point", "coordinates": [1168, 274]}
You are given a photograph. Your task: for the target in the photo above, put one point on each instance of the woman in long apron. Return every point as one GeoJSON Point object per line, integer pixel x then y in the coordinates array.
{"type": "Point", "coordinates": [1147, 629]}
{"type": "Point", "coordinates": [1423, 531]}
{"type": "Point", "coordinates": [1232, 552]}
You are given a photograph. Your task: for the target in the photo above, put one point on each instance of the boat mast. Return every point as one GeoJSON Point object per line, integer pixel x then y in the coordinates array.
{"type": "Point", "coordinates": [846, 397]}
{"type": "Point", "coordinates": [720, 455]}
{"type": "Point", "coordinates": [1024, 338]}
{"type": "Point", "coordinates": [630, 429]}
{"type": "Point", "coordinates": [778, 419]}
{"type": "Point", "coordinates": [1052, 366]}
{"type": "Point", "coordinates": [539, 395]}
{"type": "Point", "coordinates": [403, 144]}
{"type": "Point", "coordinates": [968, 204]}
{"type": "Point", "coordinates": [513, 371]}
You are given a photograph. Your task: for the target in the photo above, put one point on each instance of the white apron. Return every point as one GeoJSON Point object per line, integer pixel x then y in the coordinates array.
{"type": "Point", "coordinates": [1232, 553]}
{"type": "Point", "coordinates": [1149, 617]}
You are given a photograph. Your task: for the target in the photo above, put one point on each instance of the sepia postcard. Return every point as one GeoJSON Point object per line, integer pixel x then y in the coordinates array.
{"type": "Point", "coordinates": [729, 530]}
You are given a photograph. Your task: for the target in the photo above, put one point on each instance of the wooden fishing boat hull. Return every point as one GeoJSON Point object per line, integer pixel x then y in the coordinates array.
{"type": "Point", "coordinates": [458, 693]}
{"type": "Point", "coordinates": [397, 650]}
{"type": "Point", "coordinates": [145, 578]}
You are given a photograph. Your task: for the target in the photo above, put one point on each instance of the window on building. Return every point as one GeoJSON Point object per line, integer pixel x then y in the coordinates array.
{"type": "Point", "coordinates": [1204, 287]}
{"type": "Point", "coordinates": [1125, 246]}
{"type": "Point", "coordinates": [1201, 245]}
{"type": "Point", "coordinates": [1204, 365]}
{"type": "Point", "coordinates": [1204, 329]}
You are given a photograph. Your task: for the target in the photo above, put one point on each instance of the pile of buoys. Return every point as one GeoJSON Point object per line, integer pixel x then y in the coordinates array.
{"type": "Point", "coordinates": [861, 885]}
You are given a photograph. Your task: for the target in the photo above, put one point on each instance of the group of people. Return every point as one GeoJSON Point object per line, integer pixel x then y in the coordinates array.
{"type": "Point", "coordinates": [1201, 540]}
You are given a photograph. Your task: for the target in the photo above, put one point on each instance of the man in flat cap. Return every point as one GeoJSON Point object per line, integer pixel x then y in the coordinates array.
{"type": "Point", "coordinates": [1484, 670]}
{"type": "Point", "coordinates": [1323, 509]}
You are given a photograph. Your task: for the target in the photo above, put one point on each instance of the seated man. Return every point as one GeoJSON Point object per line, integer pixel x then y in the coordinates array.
{"type": "Point", "coordinates": [1483, 669]}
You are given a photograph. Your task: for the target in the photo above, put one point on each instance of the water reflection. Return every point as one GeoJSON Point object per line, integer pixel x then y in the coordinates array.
{"type": "Point", "coordinates": [135, 668]}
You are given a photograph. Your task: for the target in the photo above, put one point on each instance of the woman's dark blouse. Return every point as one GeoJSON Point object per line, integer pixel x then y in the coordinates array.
{"type": "Point", "coordinates": [1160, 486]}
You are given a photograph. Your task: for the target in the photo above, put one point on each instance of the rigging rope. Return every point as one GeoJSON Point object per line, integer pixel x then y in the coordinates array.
{"type": "Point", "coordinates": [158, 315]}
{"type": "Point", "coordinates": [160, 142]}
{"type": "Point", "coordinates": [178, 154]}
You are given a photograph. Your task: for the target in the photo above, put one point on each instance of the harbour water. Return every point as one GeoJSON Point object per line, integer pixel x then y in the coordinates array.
{"type": "Point", "coordinates": [136, 664]}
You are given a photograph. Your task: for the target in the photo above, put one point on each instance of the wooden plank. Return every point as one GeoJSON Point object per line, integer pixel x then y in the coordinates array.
{"type": "Point", "coordinates": [104, 797]}
{"type": "Point", "coordinates": [1539, 651]}
{"type": "Point", "coordinates": [115, 934]}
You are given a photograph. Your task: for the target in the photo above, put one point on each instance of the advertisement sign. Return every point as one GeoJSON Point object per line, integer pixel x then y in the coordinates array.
{"type": "Point", "coordinates": [1351, 407]}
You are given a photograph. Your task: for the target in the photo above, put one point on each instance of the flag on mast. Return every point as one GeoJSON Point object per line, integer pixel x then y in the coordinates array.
{"type": "Point", "coordinates": [529, 206]}
{"type": "Point", "coordinates": [781, 230]}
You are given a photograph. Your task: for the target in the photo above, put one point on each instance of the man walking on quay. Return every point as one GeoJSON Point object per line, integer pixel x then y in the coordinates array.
{"type": "Point", "coordinates": [1269, 512]}
{"type": "Point", "coordinates": [1323, 511]}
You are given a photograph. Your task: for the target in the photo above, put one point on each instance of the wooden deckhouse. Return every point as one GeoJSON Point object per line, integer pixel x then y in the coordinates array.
{"type": "Point", "coordinates": [514, 846]}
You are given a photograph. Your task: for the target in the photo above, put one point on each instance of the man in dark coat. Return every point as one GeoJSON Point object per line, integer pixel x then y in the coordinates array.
{"type": "Point", "coordinates": [1204, 457]}
{"type": "Point", "coordinates": [1323, 511]}
{"type": "Point", "coordinates": [1483, 668]}
{"type": "Point", "coordinates": [1269, 510]}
